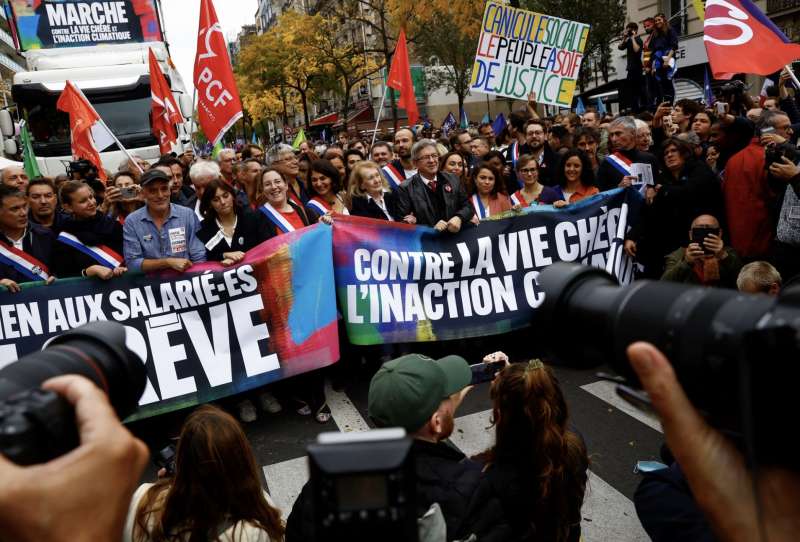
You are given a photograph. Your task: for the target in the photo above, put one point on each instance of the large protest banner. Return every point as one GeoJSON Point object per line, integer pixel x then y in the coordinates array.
{"type": "Point", "coordinates": [204, 335]}
{"type": "Point", "coordinates": [406, 284]}
{"type": "Point", "coordinates": [521, 51]}
{"type": "Point", "coordinates": [44, 24]}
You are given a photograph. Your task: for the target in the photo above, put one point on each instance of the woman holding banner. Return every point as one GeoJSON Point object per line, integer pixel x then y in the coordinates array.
{"type": "Point", "coordinates": [532, 192]}
{"type": "Point", "coordinates": [324, 185]}
{"type": "Point", "coordinates": [92, 241]}
{"type": "Point", "coordinates": [487, 199]}
{"type": "Point", "coordinates": [227, 229]}
{"type": "Point", "coordinates": [575, 178]}
{"type": "Point", "coordinates": [283, 214]}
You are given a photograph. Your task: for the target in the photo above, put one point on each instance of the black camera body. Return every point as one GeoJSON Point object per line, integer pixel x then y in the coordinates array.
{"type": "Point", "coordinates": [736, 355]}
{"type": "Point", "coordinates": [38, 425]}
{"type": "Point", "coordinates": [364, 486]}
{"type": "Point", "coordinates": [733, 88]}
{"type": "Point", "coordinates": [775, 153]}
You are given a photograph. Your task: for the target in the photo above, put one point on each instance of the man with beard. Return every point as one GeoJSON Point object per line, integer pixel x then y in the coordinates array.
{"type": "Point", "coordinates": [402, 168]}
{"type": "Point", "coordinates": [536, 145]}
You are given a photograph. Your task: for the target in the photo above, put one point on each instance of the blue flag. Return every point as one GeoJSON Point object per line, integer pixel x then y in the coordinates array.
{"type": "Point", "coordinates": [324, 135]}
{"type": "Point", "coordinates": [580, 109]}
{"type": "Point", "coordinates": [499, 124]}
{"type": "Point", "coordinates": [708, 94]}
{"type": "Point", "coordinates": [449, 123]}
{"type": "Point", "coordinates": [486, 119]}
{"type": "Point", "coordinates": [601, 107]}
{"type": "Point", "coordinates": [464, 119]}
{"type": "Point", "coordinates": [254, 139]}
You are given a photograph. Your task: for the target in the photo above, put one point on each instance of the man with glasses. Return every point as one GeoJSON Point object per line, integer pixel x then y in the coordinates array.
{"type": "Point", "coordinates": [281, 157]}
{"type": "Point", "coordinates": [536, 145]}
{"type": "Point", "coordinates": [225, 159]}
{"type": "Point", "coordinates": [432, 197]}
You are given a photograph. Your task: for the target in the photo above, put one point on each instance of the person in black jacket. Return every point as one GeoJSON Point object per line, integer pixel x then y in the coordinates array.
{"type": "Point", "coordinates": [432, 197]}
{"type": "Point", "coordinates": [91, 241]}
{"type": "Point", "coordinates": [686, 189]}
{"type": "Point", "coordinates": [421, 395]}
{"type": "Point", "coordinates": [26, 249]}
{"type": "Point", "coordinates": [538, 467]}
{"type": "Point", "coordinates": [228, 230]}
{"type": "Point", "coordinates": [620, 167]}
{"type": "Point", "coordinates": [369, 193]}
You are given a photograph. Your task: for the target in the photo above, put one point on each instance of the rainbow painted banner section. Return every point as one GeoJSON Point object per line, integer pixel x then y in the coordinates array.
{"type": "Point", "coordinates": [203, 335]}
{"type": "Point", "coordinates": [399, 283]}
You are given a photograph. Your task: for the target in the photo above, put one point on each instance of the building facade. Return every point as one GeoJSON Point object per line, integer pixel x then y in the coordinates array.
{"type": "Point", "coordinates": [11, 61]}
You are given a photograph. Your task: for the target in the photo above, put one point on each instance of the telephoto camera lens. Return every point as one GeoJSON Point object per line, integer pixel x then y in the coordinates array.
{"type": "Point", "coordinates": [37, 425]}
{"type": "Point", "coordinates": [736, 355]}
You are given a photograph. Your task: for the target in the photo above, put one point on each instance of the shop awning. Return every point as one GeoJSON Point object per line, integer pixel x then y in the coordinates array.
{"type": "Point", "coordinates": [324, 120]}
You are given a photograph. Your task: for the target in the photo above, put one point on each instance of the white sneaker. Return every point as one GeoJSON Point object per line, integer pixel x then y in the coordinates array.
{"type": "Point", "coordinates": [269, 403]}
{"type": "Point", "coordinates": [247, 411]}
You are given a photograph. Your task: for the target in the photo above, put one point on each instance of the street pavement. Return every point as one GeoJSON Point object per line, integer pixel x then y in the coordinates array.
{"type": "Point", "coordinates": [616, 434]}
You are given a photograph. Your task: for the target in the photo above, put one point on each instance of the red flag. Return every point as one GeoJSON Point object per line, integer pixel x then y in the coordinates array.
{"type": "Point", "coordinates": [218, 103]}
{"type": "Point", "coordinates": [739, 38]}
{"type": "Point", "coordinates": [165, 110]}
{"type": "Point", "coordinates": [400, 79]}
{"type": "Point", "coordinates": [83, 119]}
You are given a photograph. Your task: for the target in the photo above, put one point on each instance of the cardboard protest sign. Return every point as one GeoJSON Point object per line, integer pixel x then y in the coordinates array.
{"type": "Point", "coordinates": [520, 52]}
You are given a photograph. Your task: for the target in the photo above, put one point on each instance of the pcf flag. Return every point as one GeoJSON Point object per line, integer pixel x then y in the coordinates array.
{"type": "Point", "coordinates": [218, 103]}
{"type": "Point", "coordinates": [165, 110]}
{"type": "Point", "coordinates": [399, 78]}
{"type": "Point", "coordinates": [87, 132]}
{"type": "Point", "coordinates": [739, 38]}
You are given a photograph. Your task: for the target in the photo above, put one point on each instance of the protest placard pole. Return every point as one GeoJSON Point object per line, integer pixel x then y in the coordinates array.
{"type": "Point", "coordinates": [379, 115]}
{"type": "Point", "coordinates": [790, 71]}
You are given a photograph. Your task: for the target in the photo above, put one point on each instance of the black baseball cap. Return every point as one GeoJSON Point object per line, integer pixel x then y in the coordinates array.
{"type": "Point", "coordinates": [152, 175]}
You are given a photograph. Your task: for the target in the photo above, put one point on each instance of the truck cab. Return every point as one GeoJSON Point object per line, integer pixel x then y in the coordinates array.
{"type": "Point", "coordinates": [115, 79]}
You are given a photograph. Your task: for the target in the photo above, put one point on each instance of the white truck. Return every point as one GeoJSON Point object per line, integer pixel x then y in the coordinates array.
{"type": "Point", "coordinates": [107, 58]}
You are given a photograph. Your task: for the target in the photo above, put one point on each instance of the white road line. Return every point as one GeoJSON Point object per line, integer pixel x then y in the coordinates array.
{"type": "Point", "coordinates": [609, 515]}
{"type": "Point", "coordinates": [284, 482]}
{"type": "Point", "coordinates": [606, 391]}
{"type": "Point", "coordinates": [345, 414]}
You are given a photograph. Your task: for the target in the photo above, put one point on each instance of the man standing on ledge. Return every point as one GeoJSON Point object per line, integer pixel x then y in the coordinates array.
{"type": "Point", "coordinates": [432, 197]}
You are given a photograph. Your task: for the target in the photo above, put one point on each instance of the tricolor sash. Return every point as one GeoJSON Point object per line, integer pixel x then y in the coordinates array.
{"type": "Point", "coordinates": [276, 218]}
{"type": "Point", "coordinates": [394, 177]}
{"type": "Point", "coordinates": [480, 210]}
{"type": "Point", "coordinates": [621, 163]}
{"type": "Point", "coordinates": [23, 262]}
{"type": "Point", "coordinates": [320, 206]}
{"type": "Point", "coordinates": [518, 199]}
{"type": "Point", "coordinates": [100, 253]}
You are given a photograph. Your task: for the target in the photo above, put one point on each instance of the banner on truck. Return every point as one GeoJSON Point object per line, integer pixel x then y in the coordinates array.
{"type": "Point", "coordinates": [45, 24]}
{"type": "Point", "coordinates": [520, 52]}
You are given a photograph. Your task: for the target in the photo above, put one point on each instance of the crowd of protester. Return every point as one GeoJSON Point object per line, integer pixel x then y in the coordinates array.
{"type": "Point", "coordinates": [721, 207]}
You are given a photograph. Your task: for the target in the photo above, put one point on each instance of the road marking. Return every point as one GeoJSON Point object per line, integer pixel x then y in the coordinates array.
{"type": "Point", "coordinates": [344, 412]}
{"type": "Point", "coordinates": [284, 482]}
{"type": "Point", "coordinates": [606, 391]}
{"type": "Point", "coordinates": [607, 514]}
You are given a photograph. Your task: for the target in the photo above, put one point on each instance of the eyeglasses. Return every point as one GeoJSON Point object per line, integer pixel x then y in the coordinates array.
{"type": "Point", "coordinates": [428, 157]}
{"type": "Point", "coordinates": [528, 171]}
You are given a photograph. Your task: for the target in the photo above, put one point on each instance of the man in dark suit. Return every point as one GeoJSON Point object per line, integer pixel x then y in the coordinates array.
{"type": "Point", "coordinates": [432, 197]}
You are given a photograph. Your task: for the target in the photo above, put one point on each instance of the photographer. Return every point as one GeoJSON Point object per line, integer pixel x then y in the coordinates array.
{"type": "Point", "coordinates": [421, 395]}
{"type": "Point", "coordinates": [80, 496]}
{"type": "Point", "coordinates": [632, 44]}
{"type": "Point", "coordinates": [718, 477]}
{"type": "Point", "coordinates": [538, 467]}
{"type": "Point", "coordinates": [784, 175]}
{"type": "Point", "coordinates": [706, 260]}
{"type": "Point", "coordinates": [749, 200]}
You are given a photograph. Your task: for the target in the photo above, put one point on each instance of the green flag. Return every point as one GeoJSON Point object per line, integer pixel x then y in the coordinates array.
{"type": "Point", "coordinates": [29, 159]}
{"type": "Point", "coordinates": [299, 138]}
{"type": "Point", "coordinates": [215, 151]}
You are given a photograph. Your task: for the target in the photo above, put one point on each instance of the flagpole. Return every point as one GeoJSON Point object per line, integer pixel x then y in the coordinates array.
{"type": "Point", "coordinates": [380, 114]}
{"type": "Point", "coordinates": [792, 75]}
{"type": "Point", "coordinates": [104, 125]}
{"type": "Point", "coordinates": [191, 124]}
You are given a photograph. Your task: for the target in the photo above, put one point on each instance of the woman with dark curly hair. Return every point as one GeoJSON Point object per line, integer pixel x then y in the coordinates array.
{"type": "Point", "coordinates": [575, 178]}
{"type": "Point", "coordinates": [488, 197]}
{"type": "Point", "coordinates": [538, 467]}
